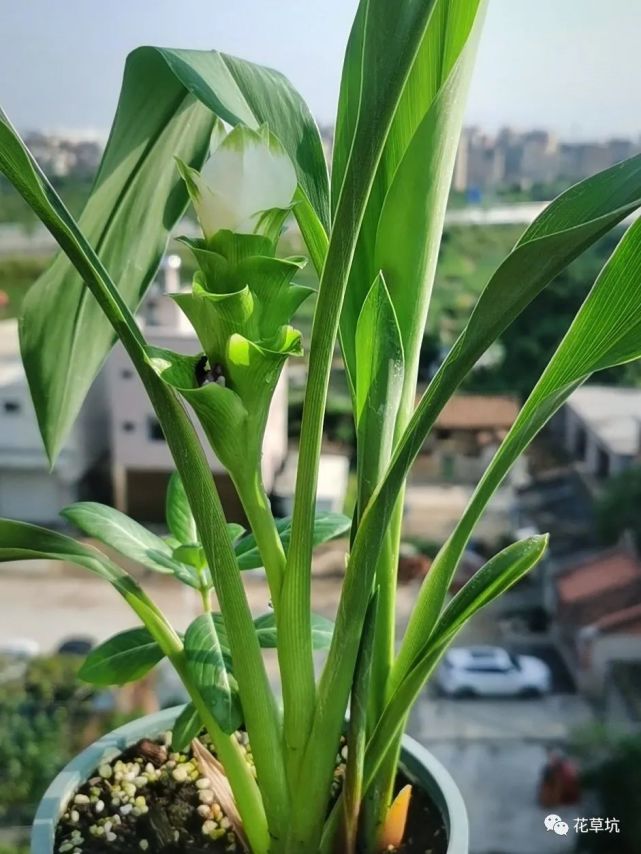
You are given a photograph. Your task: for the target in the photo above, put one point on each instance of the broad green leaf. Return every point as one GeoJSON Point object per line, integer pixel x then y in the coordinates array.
{"type": "Point", "coordinates": [186, 728]}
{"type": "Point", "coordinates": [604, 333]}
{"type": "Point", "coordinates": [327, 526]}
{"type": "Point", "coordinates": [180, 519]}
{"type": "Point", "coordinates": [62, 326]}
{"type": "Point", "coordinates": [125, 657]}
{"type": "Point", "coordinates": [166, 110]}
{"type": "Point", "coordinates": [379, 370]}
{"type": "Point", "coordinates": [206, 662]}
{"type": "Point", "coordinates": [403, 221]}
{"type": "Point", "coordinates": [121, 533]}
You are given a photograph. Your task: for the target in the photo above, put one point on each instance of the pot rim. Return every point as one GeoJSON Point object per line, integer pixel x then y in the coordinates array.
{"type": "Point", "coordinates": [419, 763]}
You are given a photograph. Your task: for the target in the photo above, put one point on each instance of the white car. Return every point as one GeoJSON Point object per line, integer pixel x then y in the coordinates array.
{"type": "Point", "coordinates": [481, 671]}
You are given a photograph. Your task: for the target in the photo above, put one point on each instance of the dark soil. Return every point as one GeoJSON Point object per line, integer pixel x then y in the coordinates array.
{"type": "Point", "coordinates": [155, 800]}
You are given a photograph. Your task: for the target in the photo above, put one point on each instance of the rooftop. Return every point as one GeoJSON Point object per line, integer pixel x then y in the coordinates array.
{"type": "Point", "coordinates": [627, 621]}
{"type": "Point", "coordinates": [594, 576]}
{"type": "Point", "coordinates": [478, 412]}
{"type": "Point", "coordinates": [612, 414]}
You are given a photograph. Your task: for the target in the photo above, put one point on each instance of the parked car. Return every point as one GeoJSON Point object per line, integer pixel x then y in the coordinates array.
{"type": "Point", "coordinates": [480, 671]}
{"type": "Point", "coordinates": [76, 646]}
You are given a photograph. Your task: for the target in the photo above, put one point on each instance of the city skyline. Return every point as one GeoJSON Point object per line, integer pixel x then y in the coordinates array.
{"type": "Point", "coordinates": [61, 70]}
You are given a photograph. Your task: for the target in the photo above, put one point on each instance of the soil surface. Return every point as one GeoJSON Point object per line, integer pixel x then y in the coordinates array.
{"type": "Point", "coordinates": [152, 798]}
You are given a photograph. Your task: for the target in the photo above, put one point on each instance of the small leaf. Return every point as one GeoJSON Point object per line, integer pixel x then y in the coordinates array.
{"type": "Point", "coordinates": [21, 541]}
{"type": "Point", "coordinates": [380, 369]}
{"type": "Point", "coordinates": [186, 728]}
{"type": "Point", "coordinates": [180, 519]}
{"type": "Point", "coordinates": [393, 830]}
{"type": "Point", "coordinates": [121, 533]}
{"type": "Point", "coordinates": [322, 629]}
{"type": "Point", "coordinates": [192, 554]}
{"type": "Point", "coordinates": [327, 526]}
{"type": "Point", "coordinates": [125, 657]}
{"type": "Point", "coordinates": [493, 579]}
{"type": "Point", "coordinates": [235, 531]}
{"type": "Point", "coordinates": [205, 658]}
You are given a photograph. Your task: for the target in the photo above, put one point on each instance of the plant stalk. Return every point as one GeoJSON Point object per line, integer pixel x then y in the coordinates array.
{"type": "Point", "coordinates": [246, 792]}
{"type": "Point", "coordinates": [251, 492]}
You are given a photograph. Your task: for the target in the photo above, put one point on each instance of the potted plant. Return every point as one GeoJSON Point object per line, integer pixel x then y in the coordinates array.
{"type": "Point", "coordinates": [293, 777]}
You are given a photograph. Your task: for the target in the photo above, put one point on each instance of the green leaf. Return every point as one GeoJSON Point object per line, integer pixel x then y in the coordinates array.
{"type": "Point", "coordinates": [165, 110]}
{"type": "Point", "coordinates": [493, 579]}
{"type": "Point", "coordinates": [604, 333]}
{"type": "Point", "coordinates": [379, 383]}
{"type": "Point", "coordinates": [21, 541]}
{"type": "Point", "coordinates": [403, 221]}
{"type": "Point", "coordinates": [206, 662]}
{"type": "Point", "coordinates": [322, 629]}
{"type": "Point", "coordinates": [191, 554]}
{"type": "Point", "coordinates": [327, 526]}
{"type": "Point", "coordinates": [180, 519]}
{"type": "Point", "coordinates": [125, 657]}
{"type": "Point", "coordinates": [121, 533]}
{"type": "Point", "coordinates": [186, 728]}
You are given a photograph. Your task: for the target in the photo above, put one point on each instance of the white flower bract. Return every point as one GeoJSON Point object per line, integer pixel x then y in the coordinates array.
{"type": "Point", "coordinates": [248, 173]}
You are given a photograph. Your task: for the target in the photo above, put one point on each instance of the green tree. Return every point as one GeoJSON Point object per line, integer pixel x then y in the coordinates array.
{"type": "Point", "coordinates": [529, 342]}
{"type": "Point", "coordinates": [619, 508]}
{"type": "Point", "coordinates": [615, 779]}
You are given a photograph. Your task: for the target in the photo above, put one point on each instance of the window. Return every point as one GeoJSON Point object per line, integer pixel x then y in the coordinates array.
{"type": "Point", "coordinates": [486, 668]}
{"type": "Point", "coordinates": [602, 464]}
{"type": "Point", "coordinates": [580, 442]}
{"type": "Point", "coordinates": [11, 407]}
{"type": "Point", "coordinates": [154, 430]}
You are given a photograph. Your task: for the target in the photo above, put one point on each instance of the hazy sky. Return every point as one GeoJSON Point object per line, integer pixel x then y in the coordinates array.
{"type": "Point", "coordinates": [571, 65]}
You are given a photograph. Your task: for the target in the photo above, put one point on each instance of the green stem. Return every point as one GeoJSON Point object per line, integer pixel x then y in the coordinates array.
{"type": "Point", "coordinates": [246, 792]}
{"type": "Point", "coordinates": [205, 597]}
{"type": "Point", "coordinates": [251, 492]}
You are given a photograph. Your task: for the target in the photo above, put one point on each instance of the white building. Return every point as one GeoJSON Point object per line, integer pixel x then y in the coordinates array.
{"type": "Point", "coordinates": [28, 490]}
{"type": "Point", "coordinates": [141, 461]}
{"type": "Point", "coordinates": [333, 479]}
{"type": "Point", "coordinates": [601, 428]}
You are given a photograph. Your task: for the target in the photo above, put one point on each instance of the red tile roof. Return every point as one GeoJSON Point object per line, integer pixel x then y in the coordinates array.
{"type": "Point", "coordinates": [598, 575]}
{"type": "Point", "coordinates": [625, 622]}
{"type": "Point", "coordinates": [478, 412]}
